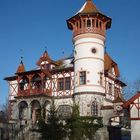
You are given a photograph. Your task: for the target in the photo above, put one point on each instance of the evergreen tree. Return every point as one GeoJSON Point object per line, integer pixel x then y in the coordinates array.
{"type": "Point", "coordinates": [74, 125]}
{"type": "Point", "coordinates": [81, 128]}
{"type": "Point", "coordinates": [54, 128]}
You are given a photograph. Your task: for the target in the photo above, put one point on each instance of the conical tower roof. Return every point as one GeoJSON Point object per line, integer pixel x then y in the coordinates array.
{"type": "Point", "coordinates": [21, 68]}
{"type": "Point", "coordinates": [88, 7]}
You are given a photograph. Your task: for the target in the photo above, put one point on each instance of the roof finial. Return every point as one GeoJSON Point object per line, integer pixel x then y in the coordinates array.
{"type": "Point", "coordinates": [21, 53]}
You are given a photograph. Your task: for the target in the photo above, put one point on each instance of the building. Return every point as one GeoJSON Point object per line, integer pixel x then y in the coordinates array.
{"type": "Point", "coordinates": [89, 78]}
{"type": "Point", "coordinates": [133, 107]}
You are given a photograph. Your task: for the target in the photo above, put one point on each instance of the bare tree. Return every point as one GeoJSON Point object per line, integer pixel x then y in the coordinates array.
{"type": "Point", "coordinates": [4, 111]}
{"type": "Point", "coordinates": [132, 88]}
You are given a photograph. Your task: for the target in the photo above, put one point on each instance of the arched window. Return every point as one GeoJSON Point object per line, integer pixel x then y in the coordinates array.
{"type": "Point", "coordinates": [23, 84]}
{"type": "Point", "coordinates": [23, 113]}
{"type": "Point", "coordinates": [64, 111]}
{"type": "Point", "coordinates": [94, 108]}
{"type": "Point", "coordinates": [23, 106]}
{"type": "Point", "coordinates": [35, 111]}
{"type": "Point", "coordinates": [36, 82]}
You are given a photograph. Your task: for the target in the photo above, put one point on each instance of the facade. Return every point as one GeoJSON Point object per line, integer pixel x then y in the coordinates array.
{"type": "Point", "coordinates": [89, 78]}
{"type": "Point", "coordinates": [133, 107]}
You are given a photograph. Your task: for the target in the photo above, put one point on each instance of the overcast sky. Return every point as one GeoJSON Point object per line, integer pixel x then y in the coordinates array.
{"type": "Point", "coordinates": [30, 25]}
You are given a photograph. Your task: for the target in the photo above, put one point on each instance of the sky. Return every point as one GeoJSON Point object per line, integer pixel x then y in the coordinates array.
{"type": "Point", "coordinates": [28, 27]}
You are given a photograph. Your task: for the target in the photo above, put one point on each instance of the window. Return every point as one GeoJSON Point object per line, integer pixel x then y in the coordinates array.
{"type": "Point", "coordinates": [117, 91]}
{"type": "Point", "coordinates": [93, 50]}
{"type": "Point", "coordinates": [100, 24]}
{"type": "Point", "coordinates": [93, 22]}
{"type": "Point", "coordinates": [67, 83]}
{"type": "Point", "coordinates": [94, 108]}
{"type": "Point", "coordinates": [64, 111]}
{"type": "Point", "coordinates": [64, 83]}
{"type": "Point", "coordinates": [84, 23]}
{"type": "Point", "coordinates": [61, 84]}
{"type": "Point", "coordinates": [101, 78]}
{"type": "Point", "coordinates": [82, 76]}
{"type": "Point", "coordinates": [97, 23]}
{"type": "Point", "coordinates": [23, 84]}
{"type": "Point", "coordinates": [88, 23]}
{"type": "Point", "coordinates": [110, 88]}
{"type": "Point", "coordinates": [36, 82]}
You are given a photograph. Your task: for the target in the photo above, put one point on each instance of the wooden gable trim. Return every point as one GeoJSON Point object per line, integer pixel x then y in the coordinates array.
{"type": "Point", "coordinates": [131, 100]}
{"type": "Point", "coordinates": [12, 78]}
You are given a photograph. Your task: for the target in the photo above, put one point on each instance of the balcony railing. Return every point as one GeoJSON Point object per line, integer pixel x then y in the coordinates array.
{"type": "Point", "coordinates": [36, 91]}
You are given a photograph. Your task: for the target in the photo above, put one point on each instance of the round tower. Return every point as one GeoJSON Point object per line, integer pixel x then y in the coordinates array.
{"type": "Point", "coordinates": [89, 26]}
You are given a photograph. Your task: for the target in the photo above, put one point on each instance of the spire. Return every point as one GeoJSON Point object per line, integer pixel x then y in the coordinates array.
{"type": "Point", "coordinates": [88, 8]}
{"type": "Point", "coordinates": [21, 67]}
{"type": "Point", "coordinates": [44, 58]}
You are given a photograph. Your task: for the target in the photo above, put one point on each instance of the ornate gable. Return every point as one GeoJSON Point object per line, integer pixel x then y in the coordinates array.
{"type": "Point", "coordinates": [45, 62]}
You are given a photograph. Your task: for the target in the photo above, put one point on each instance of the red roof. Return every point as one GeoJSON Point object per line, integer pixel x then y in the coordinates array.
{"type": "Point", "coordinates": [88, 7]}
{"type": "Point", "coordinates": [119, 99]}
{"type": "Point", "coordinates": [131, 100]}
{"type": "Point", "coordinates": [45, 57]}
{"type": "Point", "coordinates": [21, 68]}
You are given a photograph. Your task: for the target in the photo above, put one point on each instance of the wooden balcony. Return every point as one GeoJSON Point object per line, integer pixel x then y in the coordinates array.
{"type": "Point", "coordinates": [36, 91]}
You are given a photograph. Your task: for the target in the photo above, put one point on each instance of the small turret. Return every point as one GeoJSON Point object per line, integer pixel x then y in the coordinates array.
{"type": "Point", "coordinates": [89, 20]}
{"type": "Point", "coordinates": [21, 68]}
{"type": "Point", "coordinates": [45, 62]}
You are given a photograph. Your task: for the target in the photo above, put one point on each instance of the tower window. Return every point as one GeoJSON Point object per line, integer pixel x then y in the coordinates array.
{"type": "Point", "coordinates": [93, 22]}
{"type": "Point", "coordinates": [97, 23]}
{"type": "Point", "coordinates": [77, 24]}
{"type": "Point", "coordinates": [100, 24]}
{"type": "Point", "coordinates": [84, 23]}
{"type": "Point", "coordinates": [101, 78]}
{"type": "Point", "coordinates": [94, 108]}
{"type": "Point", "coordinates": [88, 23]}
{"type": "Point", "coordinates": [93, 50]}
{"type": "Point", "coordinates": [82, 77]}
